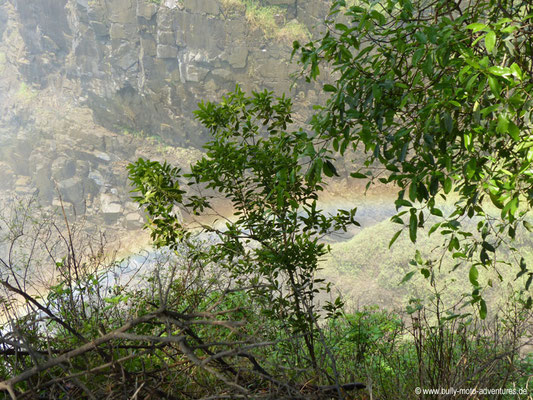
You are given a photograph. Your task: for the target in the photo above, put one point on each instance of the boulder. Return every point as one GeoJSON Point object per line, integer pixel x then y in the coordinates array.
{"type": "Point", "coordinates": [194, 73]}
{"type": "Point", "coordinates": [110, 207]}
{"type": "Point", "coordinates": [42, 180]}
{"type": "Point", "coordinates": [63, 168]}
{"type": "Point", "coordinates": [165, 20]}
{"type": "Point", "coordinates": [222, 73]}
{"type": "Point", "coordinates": [6, 176]}
{"type": "Point", "coordinates": [96, 177]}
{"type": "Point", "coordinates": [121, 11]}
{"type": "Point", "coordinates": [72, 191]}
{"type": "Point", "coordinates": [148, 46]}
{"type": "Point", "coordinates": [100, 29]}
{"type": "Point", "coordinates": [118, 32]}
{"type": "Point", "coordinates": [133, 221]}
{"type": "Point", "coordinates": [285, 3]}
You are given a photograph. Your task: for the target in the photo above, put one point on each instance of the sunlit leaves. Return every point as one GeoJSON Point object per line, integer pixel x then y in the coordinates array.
{"type": "Point", "coordinates": [441, 103]}
{"type": "Point", "coordinates": [270, 174]}
{"type": "Point", "coordinates": [490, 41]}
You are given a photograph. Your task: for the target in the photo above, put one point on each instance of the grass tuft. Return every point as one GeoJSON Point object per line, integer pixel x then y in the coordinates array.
{"type": "Point", "coordinates": [233, 7]}
{"type": "Point", "coordinates": [292, 31]}
{"type": "Point", "coordinates": [263, 18]}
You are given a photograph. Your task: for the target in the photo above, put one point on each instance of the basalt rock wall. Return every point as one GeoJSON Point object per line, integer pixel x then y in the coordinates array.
{"type": "Point", "coordinates": [143, 65]}
{"type": "Point", "coordinates": [87, 86]}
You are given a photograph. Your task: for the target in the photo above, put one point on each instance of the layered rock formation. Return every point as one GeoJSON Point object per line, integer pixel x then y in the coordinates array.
{"type": "Point", "coordinates": [144, 66]}
{"type": "Point", "coordinates": [90, 85]}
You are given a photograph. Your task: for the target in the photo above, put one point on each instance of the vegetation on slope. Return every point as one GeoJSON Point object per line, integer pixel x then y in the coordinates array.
{"type": "Point", "coordinates": [270, 20]}
{"type": "Point", "coordinates": [377, 279]}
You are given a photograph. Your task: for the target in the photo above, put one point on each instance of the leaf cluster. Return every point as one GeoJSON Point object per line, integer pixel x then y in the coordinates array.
{"type": "Point", "coordinates": [437, 94]}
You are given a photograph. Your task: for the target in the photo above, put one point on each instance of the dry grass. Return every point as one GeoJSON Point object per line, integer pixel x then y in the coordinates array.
{"type": "Point", "coordinates": [292, 31]}
{"type": "Point", "coordinates": [233, 7]}
{"type": "Point", "coordinates": [263, 18]}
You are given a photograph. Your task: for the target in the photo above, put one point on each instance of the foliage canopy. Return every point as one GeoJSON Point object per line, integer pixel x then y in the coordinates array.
{"type": "Point", "coordinates": [437, 94]}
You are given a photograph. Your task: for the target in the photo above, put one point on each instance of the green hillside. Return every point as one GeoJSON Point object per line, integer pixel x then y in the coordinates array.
{"type": "Point", "coordinates": [367, 272]}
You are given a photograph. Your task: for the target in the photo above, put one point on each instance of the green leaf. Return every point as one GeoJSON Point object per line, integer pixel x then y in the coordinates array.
{"type": "Point", "coordinates": [434, 228]}
{"type": "Point", "coordinates": [490, 41]}
{"type": "Point", "coordinates": [447, 185]}
{"type": "Point", "coordinates": [418, 258]}
{"type": "Point", "coordinates": [329, 88]}
{"type": "Point", "coordinates": [341, 27]}
{"type": "Point", "coordinates": [358, 175]}
{"type": "Point", "coordinates": [413, 225]}
{"type": "Point", "coordinates": [473, 275]}
{"type": "Point", "coordinates": [529, 281]}
{"type": "Point", "coordinates": [476, 27]}
{"type": "Point", "coordinates": [496, 201]}
{"type": "Point", "coordinates": [396, 235]}
{"type": "Point", "coordinates": [436, 211]}
{"type": "Point", "coordinates": [503, 124]}
{"type": "Point", "coordinates": [484, 257]}
{"type": "Point", "coordinates": [513, 131]}
{"type": "Point", "coordinates": [471, 168]}
{"type": "Point", "coordinates": [528, 226]}
{"type": "Point", "coordinates": [467, 137]}
{"type": "Point", "coordinates": [489, 247]}
{"type": "Point", "coordinates": [413, 191]}
{"type": "Point", "coordinates": [500, 71]}
{"type": "Point", "coordinates": [407, 277]}
{"type": "Point", "coordinates": [417, 56]}
{"type": "Point", "coordinates": [448, 122]}
{"type": "Point", "coordinates": [516, 71]}
{"type": "Point", "coordinates": [482, 309]}
{"type": "Point", "coordinates": [514, 205]}
{"type": "Point", "coordinates": [329, 169]}
{"type": "Point", "coordinates": [494, 86]}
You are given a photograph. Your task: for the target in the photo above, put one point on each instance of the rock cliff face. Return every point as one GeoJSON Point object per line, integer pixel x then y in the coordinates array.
{"type": "Point", "coordinates": [144, 66]}
{"type": "Point", "coordinates": [88, 85]}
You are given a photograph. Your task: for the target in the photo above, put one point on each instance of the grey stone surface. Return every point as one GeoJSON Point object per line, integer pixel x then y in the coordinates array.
{"type": "Point", "coordinates": [222, 73]}
{"type": "Point", "coordinates": [133, 221]}
{"type": "Point", "coordinates": [110, 207]}
{"type": "Point", "coordinates": [145, 9]}
{"type": "Point", "coordinates": [72, 191]}
{"type": "Point", "coordinates": [202, 6]}
{"type": "Point", "coordinates": [63, 168]}
{"type": "Point", "coordinates": [166, 38]}
{"type": "Point", "coordinates": [237, 56]}
{"type": "Point", "coordinates": [166, 51]}
{"type": "Point", "coordinates": [148, 46]}
{"type": "Point", "coordinates": [166, 19]}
